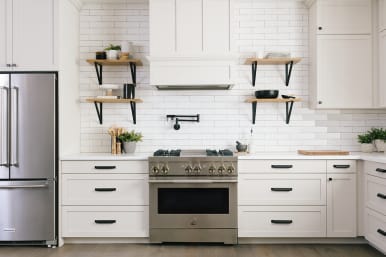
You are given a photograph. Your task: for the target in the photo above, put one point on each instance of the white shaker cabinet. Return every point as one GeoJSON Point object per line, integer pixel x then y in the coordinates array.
{"type": "Point", "coordinates": [382, 15]}
{"type": "Point", "coordinates": [27, 37]}
{"type": "Point", "coordinates": [341, 54]}
{"type": "Point", "coordinates": [341, 205]}
{"type": "Point", "coordinates": [382, 69]}
{"type": "Point", "coordinates": [344, 71]}
{"type": "Point", "coordinates": [340, 17]}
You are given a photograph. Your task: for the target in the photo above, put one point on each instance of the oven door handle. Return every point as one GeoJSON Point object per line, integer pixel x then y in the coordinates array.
{"type": "Point", "coordinates": [188, 181]}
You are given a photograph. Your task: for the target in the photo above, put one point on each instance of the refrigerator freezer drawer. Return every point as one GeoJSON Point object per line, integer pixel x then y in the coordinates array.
{"type": "Point", "coordinates": [27, 210]}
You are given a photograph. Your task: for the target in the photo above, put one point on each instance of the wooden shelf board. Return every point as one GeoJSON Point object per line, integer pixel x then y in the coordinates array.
{"type": "Point", "coordinates": [274, 100]}
{"type": "Point", "coordinates": [106, 100]}
{"type": "Point", "coordinates": [115, 62]}
{"type": "Point", "coordinates": [272, 61]}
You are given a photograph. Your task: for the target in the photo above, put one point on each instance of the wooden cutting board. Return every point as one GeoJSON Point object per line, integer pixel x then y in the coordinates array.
{"type": "Point", "coordinates": [323, 152]}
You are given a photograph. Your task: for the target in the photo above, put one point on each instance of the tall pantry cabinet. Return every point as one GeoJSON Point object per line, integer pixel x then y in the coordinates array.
{"type": "Point", "coordinates": [341, 54]}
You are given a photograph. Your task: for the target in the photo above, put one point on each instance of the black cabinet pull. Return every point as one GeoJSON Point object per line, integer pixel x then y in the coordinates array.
{"type": "Point", "coordinates": [281, 166]}
{"type": "Point", "coordinates": [336, 166]}
{"type": "Point", "coordinates": [105, 189]}
{"type": "Point", "coordinates": [329, 179]}
{"type": "Point", "coordinates": [281, 189]}
{"type": "Point", "coordinates": [380, 231]}
{"type": "Point", "coordinates": [381, 170]}
{"type": "Point", "coordinates": [320, 28]}
{"type": "Point", "coordinates": [281, 221]}
{"type": "Point", "coordinates": [105, 167]}
{"type": "Point", "coordinates": [105, 221]}
{"type": "Point", "coordinates": [382, 196]}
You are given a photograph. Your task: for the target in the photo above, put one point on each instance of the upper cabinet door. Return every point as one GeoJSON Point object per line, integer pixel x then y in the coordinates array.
{"type": "Point", "coordinates": [344, 17]}
{"type": "Point", "coordinates": [33, 34]}
{"type": "Point", "coordinates": [216, 32]}
{"type": "Point", "coordinates": [189, 26]}
{"type": "Point", "coordinates": [162, 27]}
{"type": "Point", "coordinates": [382, 69]}
{"type": "Point", "coordinates": [344, 71]}
{"type": "Point", "coordinates": [5, 40]}
{"type": "Point", "coordinates": [382, 15]}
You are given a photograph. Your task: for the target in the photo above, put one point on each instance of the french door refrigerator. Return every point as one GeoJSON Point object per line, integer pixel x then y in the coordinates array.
{"type": "Point", "coordinates": [28, 157]}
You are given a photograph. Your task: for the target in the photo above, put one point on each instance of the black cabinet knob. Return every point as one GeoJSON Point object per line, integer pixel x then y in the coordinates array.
{"type": "Point", "coordinates": [320, 28]}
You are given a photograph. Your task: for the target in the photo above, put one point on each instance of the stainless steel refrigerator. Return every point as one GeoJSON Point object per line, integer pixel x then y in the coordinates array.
{"type": "Point", "coordinates": [28, 157]}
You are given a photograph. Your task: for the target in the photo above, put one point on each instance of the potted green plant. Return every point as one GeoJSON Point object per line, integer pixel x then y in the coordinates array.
{"type": "Point", "coordinates": [366, 142]}
{"type": "Point", "coordinates": [129, 140]}
{"type": "Point", "coordinates": [113, 51]}
{"type": "Point", "coordinates": [379, 136]}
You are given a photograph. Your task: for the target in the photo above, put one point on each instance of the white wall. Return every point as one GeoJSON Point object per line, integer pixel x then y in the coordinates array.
{"type": "Point", "coordinates": [267, 25]}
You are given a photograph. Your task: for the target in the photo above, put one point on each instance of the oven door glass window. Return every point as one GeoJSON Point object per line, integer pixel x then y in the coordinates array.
{"type": "Point", "coordinates": [193, 200]}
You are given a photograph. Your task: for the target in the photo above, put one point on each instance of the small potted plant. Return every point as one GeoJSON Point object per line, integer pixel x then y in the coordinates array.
{"type": "Point", "coordinates": [129, 140]}
{"type": "Point", "coordinates": [379, 136]}
{"type": "Point", "coordinates": [366, 142]}
{"type": "Point", "coordinates": [113, 51]}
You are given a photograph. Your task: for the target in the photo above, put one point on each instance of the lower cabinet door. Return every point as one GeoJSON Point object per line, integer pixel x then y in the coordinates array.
{"type": "Point", "coordinates": [376, 229]}
{"type": "Point", "coordinates": [341, 205]}
{"type": "Point", "coordinates": [111, 221]}
{"type": "Point", "coordinates": [280, 221]}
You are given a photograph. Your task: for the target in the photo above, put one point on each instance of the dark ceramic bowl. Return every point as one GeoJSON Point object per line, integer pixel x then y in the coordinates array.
{"type": "Point", "coordinates": [266, 94]}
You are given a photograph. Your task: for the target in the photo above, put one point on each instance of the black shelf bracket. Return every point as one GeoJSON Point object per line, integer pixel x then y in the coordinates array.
{"type": "Point", "coordinates": [133, 69]}
{"type": "Point", "coordinates": [99, 111]}
{"type": "Point", "coordinates": [288, 106]}
{"type": "Point", "coordinates": [99, 72]}
{"type": "Point", "coordinates": [288, 72]}
{"type": "Point", "coordinates": [254, 69]}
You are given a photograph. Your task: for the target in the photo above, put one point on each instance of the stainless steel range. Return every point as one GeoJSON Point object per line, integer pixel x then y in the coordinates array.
{"type": "Point", "coordinates": [193, 196]}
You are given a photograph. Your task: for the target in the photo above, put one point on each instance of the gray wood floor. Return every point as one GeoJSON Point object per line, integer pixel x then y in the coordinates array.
{"type": "Point", "coordinates": [134, 250]}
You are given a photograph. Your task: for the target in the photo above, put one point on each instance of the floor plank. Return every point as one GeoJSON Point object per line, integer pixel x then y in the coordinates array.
{"type": "Point", "coordinates": [181, 250]}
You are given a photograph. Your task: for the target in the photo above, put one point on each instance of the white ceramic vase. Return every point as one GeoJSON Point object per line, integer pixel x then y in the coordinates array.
{"type": "Point", "coordinates": [367, 148]}
{"type": "Point", "coordinates": [129, 147]}
{"type": "Point", "coordinates": [380, 145]}
{"type": "Point", "coordinates": [112, 54]}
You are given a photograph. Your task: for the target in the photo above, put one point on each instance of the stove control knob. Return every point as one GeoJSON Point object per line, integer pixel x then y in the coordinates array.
{"type": "Point", "coordinates": [231, 169]}
{"type": "Point", "coordinates": [221, 169]}
{"type": "Point", "coordinates": [188, 169]}
{"type": "Point", "coordinates": [197, 169]}
{"type": "Point", "coordinates": [155, 170]}
{"type": "Point", "coordinates": [212, 169]}
{"type": "Point", "coordinates": [165, 169]}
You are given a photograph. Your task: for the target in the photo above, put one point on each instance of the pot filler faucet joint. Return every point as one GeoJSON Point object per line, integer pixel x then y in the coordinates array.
{"type": "Point", "coordinates": [185, 118]}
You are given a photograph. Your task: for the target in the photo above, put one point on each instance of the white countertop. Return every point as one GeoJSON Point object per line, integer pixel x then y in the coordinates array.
{"type": "Point", "coordinates": [375, 157]}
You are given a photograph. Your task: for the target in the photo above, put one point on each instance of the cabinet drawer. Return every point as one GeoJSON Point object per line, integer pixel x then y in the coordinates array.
{"type": "Point", "coordinates": [118, 221]}
{"type": "Point", "coordinates": [282, 189]}
{"type": "Point", "coordinates": [282, 166]}
{"type": "Point", "coordinates": [275, 221]}
{"type": "Point", "coordinates": [341, 166]}
{"type": "Point", "coordinates": [376, 169]}
{"type": "Point", "coordinates": [376, 194]}
{"type": "Point", "coordinates": [108, 167]}
{"type": "Point", "coordinates": [101, 189]}
{"type": "Point", "coordinates": [376, 229]}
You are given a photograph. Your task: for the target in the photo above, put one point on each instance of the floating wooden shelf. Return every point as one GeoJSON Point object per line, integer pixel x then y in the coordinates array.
{"type": "Point", "coordinates": [288, 62]}
{"type": "Point", "coordinates": [133, 63]}
{"type": "Point", "coordinates": [115, 62]}
{"type": "Point", "coordinates": [101, 101]}
{"type": "Point", "coordinates": [288, 104]}
{"type": "Point", "coordinates": [272, 61]}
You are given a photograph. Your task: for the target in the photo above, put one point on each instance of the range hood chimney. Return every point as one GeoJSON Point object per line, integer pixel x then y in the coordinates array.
{"type": "Point", "coordinates": [190, 44]}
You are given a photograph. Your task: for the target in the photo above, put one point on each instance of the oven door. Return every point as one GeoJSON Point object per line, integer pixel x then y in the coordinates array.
{"type": "Point", "coordinates": [193, 203]}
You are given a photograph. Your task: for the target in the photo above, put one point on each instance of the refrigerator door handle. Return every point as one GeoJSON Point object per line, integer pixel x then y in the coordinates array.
{"type": "Point", "coordinates": [23, 186]}
{"type": "Point", "coordinates": [15, 130]}
{"type": "Point", "coordinates": [4, 129]}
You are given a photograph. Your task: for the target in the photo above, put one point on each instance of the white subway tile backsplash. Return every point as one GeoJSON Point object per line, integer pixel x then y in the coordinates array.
{"type": "Point", "coordinates": [267, 25]}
